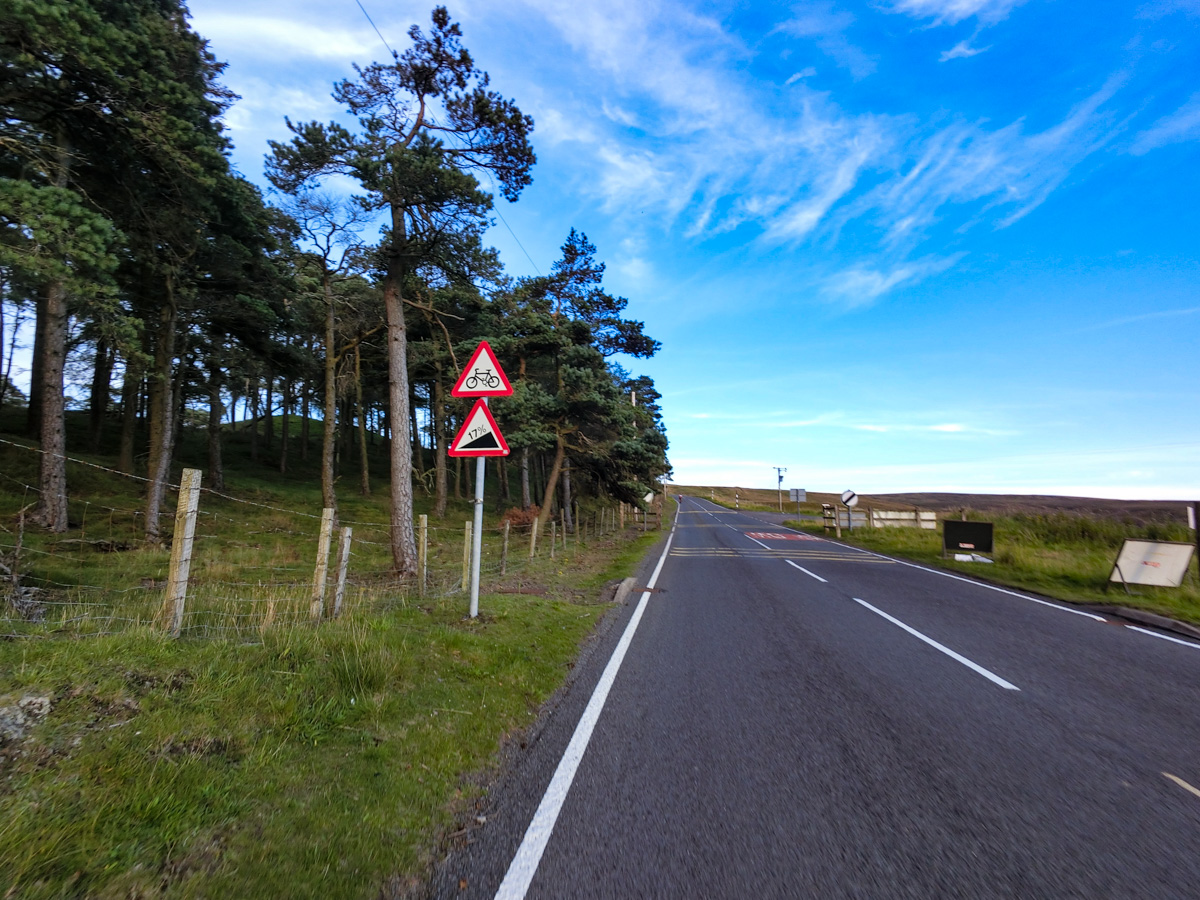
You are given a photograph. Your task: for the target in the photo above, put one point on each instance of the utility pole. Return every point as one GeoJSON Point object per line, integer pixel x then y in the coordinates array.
{"type": "Point", "coordinates": [779, 470]}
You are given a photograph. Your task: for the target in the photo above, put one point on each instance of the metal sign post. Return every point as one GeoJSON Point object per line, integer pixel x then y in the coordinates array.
{"type": "Point", "coordinates": [480, 437]}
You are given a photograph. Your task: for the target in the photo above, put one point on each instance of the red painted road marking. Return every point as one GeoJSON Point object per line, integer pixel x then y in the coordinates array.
{"type": "Point", "coordinates": [776, 536]}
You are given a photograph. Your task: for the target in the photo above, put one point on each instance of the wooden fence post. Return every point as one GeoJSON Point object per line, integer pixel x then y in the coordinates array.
{"type": "Point", "coordinates": [466, 578]}
{"type": "Point", "coordinates": [554, 537]}
{"type": "Point", "coordinates": [532, 539]}
{"type": "Point", "coordinates": [181, 549]}
{"type": "Point", "coordinates": [504, 549]}
{"type": "Point", "coordinates": [317, 607]}
{"type": "Point", "coordinates": [339, 591]}
{"type": "Point", "coordinates": [621, 511]}
{"type": "Point", "coordinates": [423, 556]}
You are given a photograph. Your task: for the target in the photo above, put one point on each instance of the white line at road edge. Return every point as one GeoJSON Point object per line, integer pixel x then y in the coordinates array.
{"type": "Point", "coordinates": [1164, 637]}
{"type": "Point", "coordinates": [990, 676]}
{"type": "Point", "coordinates": [806, 572]}
{"type": "Point", "coordinates": [525, 864]}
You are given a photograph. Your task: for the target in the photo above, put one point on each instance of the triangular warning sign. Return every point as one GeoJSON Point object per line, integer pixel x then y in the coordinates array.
{"type": "Point", "coordinates": [483, 376]}
{"type": "Point", "coordinates": [479, 435]}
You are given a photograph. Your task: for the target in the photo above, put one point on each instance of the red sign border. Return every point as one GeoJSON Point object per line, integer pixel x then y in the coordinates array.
{"type": "Point", "coordinates": [459, 391]}
{"type": "Point", "coordinates": [503, 451]}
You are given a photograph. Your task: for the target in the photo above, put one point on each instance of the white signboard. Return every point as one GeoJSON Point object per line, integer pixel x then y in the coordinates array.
{"type": "Point", "coordinates": [1159, 563]}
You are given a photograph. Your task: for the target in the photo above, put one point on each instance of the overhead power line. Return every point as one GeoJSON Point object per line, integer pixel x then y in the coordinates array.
{"type": "Point", "coordinates": [377, 31]}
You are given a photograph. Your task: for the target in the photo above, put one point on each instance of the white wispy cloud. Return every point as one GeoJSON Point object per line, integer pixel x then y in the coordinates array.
{"type": "Point", "coordinates": [860, 286]}
{"type": "Point", "coordinates": [1007, 169]}
{"type": "Point", "coordinates": [1143, 317]}
{"type": "Point", "coordinates": [285, 38]}
{"type": "Point", "coordinates": [1181, 125]}
{"type": "Point", "coordinates": [961, 50]}
{"type": "Point", "coordinates": [826, 27]}
{"type": "Point", "coordinates": [951, 12]}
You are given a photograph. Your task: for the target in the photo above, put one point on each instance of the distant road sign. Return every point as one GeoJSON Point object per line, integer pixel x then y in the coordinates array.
{"type": "Point", "coordinates": [798, 495]}
{"type": "Point", "coordinates": [482, 376]}
{"type": "Point", "coordinates": [479, 435]}
{"type": "Point", "coordinates": [850, 498]}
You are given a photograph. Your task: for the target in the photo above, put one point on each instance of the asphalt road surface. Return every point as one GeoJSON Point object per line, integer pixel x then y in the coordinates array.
{"type": "Point", "coordinates": [785, 716]}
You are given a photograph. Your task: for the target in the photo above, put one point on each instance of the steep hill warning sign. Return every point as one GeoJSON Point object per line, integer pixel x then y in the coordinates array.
{"type": "Point", "coordinates": [479, 435]}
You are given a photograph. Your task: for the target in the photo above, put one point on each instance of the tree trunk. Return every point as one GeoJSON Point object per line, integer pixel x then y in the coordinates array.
{"type": "Point", "coordinates": [305, 410]}
{"type": "Point", "coordinates": [270, 410]}
{"type": "Point", "coordinates": [37, 377]}
{"type": "Point", "coordinates": [502, 475]}
{"type": "Point", "coordinates": [364, 477]}
{"type": "Point", "coordinates": [254, 419]}
{"type": "Point", "coordinates": [131, 389]}
{"type": "Point", "coordinates": [458, 476]}
{"type": "Point", "coordinates": [51, 512]}
{"type": "Point", "coordinates": [6, 379]}
{"type": "Point", "coordinates": [216, 471]}
{"type": "Point", "coordinates": [283, 425]}
{"type": "Point", "coordinates": [179, 396]}
{"type": "Point", "coordinates": [404, 540]}
{"type": "Point", "coordinates": [551, 484]}
{"type": "Point", "coordinates": [526, 499]}
{"type": "Point", "coordinates": [49, 359]}
{"type": "Point", "coordinates": [101, 387]}
{"type": "Point", "coordinates": [439, 445]}
{"type": "Point", "coordinates": [418, 456]}
{"type": "Point", "coordinates": [568, 522]}
{"type": "Point", "coordinates": [329, 429]}
{"type": "Point", "coordinates": [161, 411]}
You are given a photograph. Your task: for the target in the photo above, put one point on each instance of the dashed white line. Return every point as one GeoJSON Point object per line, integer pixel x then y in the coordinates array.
{"type": "Point", "coordinates": [974, 667]}
{"type": "Point", "coordinates": [982, 584]}
{"type": "Point", "coordinates": [806, 572]}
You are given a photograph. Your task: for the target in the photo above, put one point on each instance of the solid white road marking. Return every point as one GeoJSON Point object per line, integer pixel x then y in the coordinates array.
{"type": "Point", "coordinates": [1164, 637]}
{"type": "Point", "coordinates": [974, 667]}
{"type": "Point", "coordinates": [806, 572]}
{"type": "Point", "coordinates": [524, 865]}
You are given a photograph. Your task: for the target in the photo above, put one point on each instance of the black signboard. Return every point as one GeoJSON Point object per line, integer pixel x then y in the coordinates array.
{"type": "Point", "coordinates": [973, 536]}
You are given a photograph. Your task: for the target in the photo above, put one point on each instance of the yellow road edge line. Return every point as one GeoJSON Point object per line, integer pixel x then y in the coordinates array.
{"type": "Point", "coordinates": [1183, 784]}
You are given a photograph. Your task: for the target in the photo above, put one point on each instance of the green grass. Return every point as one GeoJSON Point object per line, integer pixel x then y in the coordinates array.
{"type": "Point", "coordinates": [259, 755]}
{"type": "Point", "coordinates": [1067, 557]}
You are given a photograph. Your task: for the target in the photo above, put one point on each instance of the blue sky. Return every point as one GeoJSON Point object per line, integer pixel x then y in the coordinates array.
{"type": "Point", "coordinates": [895, 245]}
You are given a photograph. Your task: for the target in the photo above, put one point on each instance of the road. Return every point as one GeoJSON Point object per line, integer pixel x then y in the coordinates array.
{"type": "Point", "coordinates": [792, 717]}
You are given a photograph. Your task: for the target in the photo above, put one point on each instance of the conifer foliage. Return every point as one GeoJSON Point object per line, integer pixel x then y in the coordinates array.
{"type": "Point", "coordinates": [198, 302]}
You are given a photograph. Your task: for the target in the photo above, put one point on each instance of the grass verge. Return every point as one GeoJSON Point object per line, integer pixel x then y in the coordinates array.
{"type": "Point", "coordinates": [311, 763]}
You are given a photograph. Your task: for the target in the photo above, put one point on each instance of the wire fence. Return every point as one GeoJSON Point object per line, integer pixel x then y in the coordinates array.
{"type": "Point", "coordinates": [248, 563]}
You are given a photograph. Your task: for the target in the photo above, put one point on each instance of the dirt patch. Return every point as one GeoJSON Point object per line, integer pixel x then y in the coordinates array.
{"type": "Point", "coordinates": [199, 746]}
{"type": "Point", "coordinates": [18, 719]}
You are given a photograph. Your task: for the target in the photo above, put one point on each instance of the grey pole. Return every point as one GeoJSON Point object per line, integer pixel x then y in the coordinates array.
{"type": "Point", "coordinates": [477, 534]}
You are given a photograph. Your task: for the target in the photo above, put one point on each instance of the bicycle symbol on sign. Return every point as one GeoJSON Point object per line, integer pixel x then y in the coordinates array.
{"type": "Point", "coordinates": [482, 378]}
